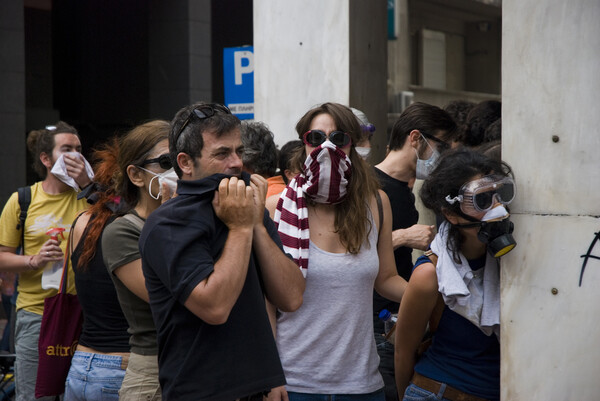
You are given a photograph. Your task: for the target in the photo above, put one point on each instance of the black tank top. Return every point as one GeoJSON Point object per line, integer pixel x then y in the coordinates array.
{"type": "Point", "coordinates": [104, 326]}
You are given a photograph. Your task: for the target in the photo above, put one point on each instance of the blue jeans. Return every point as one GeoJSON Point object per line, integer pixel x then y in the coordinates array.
{"type": "Point", "coordinates": [375, 396]}
{"type": "Point", "coordinates": [94, 377]}
{"type": "Point", "coordinates": [416, 393]}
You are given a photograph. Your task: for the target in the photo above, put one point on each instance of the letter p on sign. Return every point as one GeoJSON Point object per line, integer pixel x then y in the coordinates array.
{"type": "Point", "coordinates": [238, 80]}
{"type": "Point", "coordinates": [243, 63]}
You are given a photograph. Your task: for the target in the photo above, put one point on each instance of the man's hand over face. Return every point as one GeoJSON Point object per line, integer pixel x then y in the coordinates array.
{"type": "Point", "coordinates": [259, 185]}
{"type": "Point", "coordinates": [234, 203]}
{"type": "Point", "coordinates": [76, 169]}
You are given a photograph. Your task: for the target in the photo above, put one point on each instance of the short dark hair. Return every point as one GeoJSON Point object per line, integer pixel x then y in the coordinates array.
{"type": "Point", "coordinates": [459, 109]}
{"type": "Point", "coordinates": [42, 141]}
{"type": "Point", "coordinates": [427, 119]}
{"type": "Point", "coordinates": [285, 156]}
{"type": "Point", "coordinates": [479, 119]}
{"type": "Point", "coordinates": [260, 153]}
{"type": "Point", "coordinates": [493, 132]}
{"type": "Point", "coordinates": [189, 140]}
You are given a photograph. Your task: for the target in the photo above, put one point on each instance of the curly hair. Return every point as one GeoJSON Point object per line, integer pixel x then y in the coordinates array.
{"type": "Point", "coordinates": [260, 153]}
{"type": "Point", "coordinates": [456, 167]}
{"type": "Point", "coordinates": [351, 216]}
{"type": "Point", "coordinates": [42, 141]}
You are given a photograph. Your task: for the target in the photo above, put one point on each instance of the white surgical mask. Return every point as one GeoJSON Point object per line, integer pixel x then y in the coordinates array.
{"type": "Point", "coordinates": [363, 152]}
{"type": "Point", "coordinates": [169, 176]}
{"type": "Point", "coordinates": [424, 167]}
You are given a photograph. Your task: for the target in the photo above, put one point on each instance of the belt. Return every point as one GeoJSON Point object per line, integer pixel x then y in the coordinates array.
{"type": "Point", "coordinates": [124, 355]}
{"type": "Point", "coordinates": [434, 386]}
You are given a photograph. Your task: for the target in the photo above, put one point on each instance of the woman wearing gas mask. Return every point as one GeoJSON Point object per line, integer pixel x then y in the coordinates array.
{"type": "Point", "coordinates": [132, 170]}
{"type": "Point", "coordinates": [336, 224]}
{"type": "Point", "coordinates": [455, 286]}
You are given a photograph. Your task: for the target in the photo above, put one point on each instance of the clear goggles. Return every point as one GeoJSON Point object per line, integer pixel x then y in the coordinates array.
{"type": "Point", "coordinates": [482, 194]}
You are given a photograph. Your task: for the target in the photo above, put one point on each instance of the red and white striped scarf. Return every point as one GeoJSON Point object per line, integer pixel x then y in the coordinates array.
{"type": "Point", "coordinates": [324, 179]}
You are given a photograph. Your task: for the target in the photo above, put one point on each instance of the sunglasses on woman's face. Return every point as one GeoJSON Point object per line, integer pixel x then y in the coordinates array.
{"type": "Point", "coordinates": [164, 161]}
{"type": "Point", "coordinates": [316, 137]}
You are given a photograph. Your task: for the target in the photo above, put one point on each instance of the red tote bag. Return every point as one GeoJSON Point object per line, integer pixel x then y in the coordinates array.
{"type": "Point", "coordinates": [59, 334]}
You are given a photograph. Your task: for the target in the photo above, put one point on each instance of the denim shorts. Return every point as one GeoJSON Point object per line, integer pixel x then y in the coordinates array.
{"type": "Point", "coordinates": [94, 377]}
{"type": "Point", "coordinates": [378, 395]}
{"type": "Point", "coordinates": [416, 393]}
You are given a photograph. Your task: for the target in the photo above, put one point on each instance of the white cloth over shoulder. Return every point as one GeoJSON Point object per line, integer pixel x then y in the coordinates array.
{"type": "Point", "coordinates": [59, 170]}
{"type": "Point", "coordinates": [474, 296]}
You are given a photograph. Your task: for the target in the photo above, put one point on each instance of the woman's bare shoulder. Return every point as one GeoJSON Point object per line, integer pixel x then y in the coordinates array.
{"type": "Point", "coordinates": [424, 279]}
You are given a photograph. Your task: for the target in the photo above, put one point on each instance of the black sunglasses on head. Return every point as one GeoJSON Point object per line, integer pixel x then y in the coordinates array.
{"type": "Point", "coordinates": [202, 112]}
{"type": "Point", "coordinates": [164, 161]}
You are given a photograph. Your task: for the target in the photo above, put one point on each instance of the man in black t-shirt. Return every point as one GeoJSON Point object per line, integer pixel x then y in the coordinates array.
{"type": "Point", "coordinates": [210, 256]}
{"type": "Point", "coordinates": [419, 135]}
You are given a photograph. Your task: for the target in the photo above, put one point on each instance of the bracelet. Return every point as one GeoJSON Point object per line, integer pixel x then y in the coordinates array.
{"type": "Point", "coordinates": [31, 267]}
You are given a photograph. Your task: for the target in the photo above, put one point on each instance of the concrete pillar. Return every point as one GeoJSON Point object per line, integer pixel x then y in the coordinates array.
{"type": "Point", "coordinates": [308, 52]}
{"type": "Point", "coordinates": [550, 87]}
{"type": "Point", "coordinates": [12, 101]}
{"type": "Point", "coordinates": [179, 55]}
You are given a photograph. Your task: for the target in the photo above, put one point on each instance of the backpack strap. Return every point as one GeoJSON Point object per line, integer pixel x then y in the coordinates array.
{"type": "Point", "coordinates": [24, 195]}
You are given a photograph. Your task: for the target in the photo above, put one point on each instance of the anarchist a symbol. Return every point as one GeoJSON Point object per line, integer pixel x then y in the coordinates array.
{"type": "Point", "coordinates": [588, 255]}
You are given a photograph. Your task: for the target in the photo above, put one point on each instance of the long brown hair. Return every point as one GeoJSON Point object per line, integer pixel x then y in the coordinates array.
{"type": "Point", "coordinates": [112, 180]}
{"type": "Point", "coordinates": [351, 216]}
{"type": "Point", "coordinates": [133, 150]}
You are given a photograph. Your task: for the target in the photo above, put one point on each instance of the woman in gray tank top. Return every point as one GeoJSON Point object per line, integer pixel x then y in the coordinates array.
{"type": "Point", "coordinates": [336, 224]}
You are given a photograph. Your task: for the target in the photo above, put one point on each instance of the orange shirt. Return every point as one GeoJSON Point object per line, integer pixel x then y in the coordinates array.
{"type": "Point", "coordinates": [275, 185]}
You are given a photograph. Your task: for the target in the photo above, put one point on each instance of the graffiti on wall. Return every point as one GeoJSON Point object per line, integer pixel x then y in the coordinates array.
{"type": "Point", "coordinates": [589, 255]}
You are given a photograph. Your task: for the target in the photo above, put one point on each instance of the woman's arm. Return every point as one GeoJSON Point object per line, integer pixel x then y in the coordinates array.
{"type": "Point", "coordinates": [415, 310]}
{"type": "Point", "coordinates": [132, 276]}
{"type": "Point", "coordinates": [388, 283]}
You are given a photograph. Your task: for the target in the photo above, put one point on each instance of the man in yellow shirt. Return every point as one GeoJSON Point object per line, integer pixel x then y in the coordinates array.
{"type": "Point", "coordinates": [54, 204]}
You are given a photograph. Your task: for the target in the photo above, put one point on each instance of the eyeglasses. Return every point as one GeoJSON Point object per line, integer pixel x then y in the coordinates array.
{"type": "Point", "coordinates": [316, 137]}
{"type": "Point", "coordinates": [442, 145]}
{"type": "Point", "coordinates": [482, 193]}
{"type": "Point", "coordinates": [202, 112]}
{"type": "Point", "coordinates": [164, 161]}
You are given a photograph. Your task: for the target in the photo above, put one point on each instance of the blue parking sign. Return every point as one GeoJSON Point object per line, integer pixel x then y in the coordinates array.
{"type": "Point", "coordinates": [238, 76]}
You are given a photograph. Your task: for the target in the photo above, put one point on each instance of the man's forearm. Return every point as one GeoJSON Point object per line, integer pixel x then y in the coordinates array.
{"type": "Point", "coordinates": [214, 297]}
{"type": "Point", "coordinates": [283, 279]}
{"type": "Point", "coordinates": [13, 263]}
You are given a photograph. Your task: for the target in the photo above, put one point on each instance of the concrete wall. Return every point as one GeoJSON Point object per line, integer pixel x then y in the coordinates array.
{"type": "Point", "coordinates": [550, 86]}
{"type": "Point", "coordinates": [12, 101]}
{"type": "Point", "coordinates": [311, 51]}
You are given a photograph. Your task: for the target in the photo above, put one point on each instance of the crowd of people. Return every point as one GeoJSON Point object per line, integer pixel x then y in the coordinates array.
{"type": "Point", "coordinates": [211, 265]}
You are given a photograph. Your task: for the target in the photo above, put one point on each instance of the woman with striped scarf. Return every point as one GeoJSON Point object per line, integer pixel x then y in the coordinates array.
{"type": "Point", "coordinates": [336, 224]}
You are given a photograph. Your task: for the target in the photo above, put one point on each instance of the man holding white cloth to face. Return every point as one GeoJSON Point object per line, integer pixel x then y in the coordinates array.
{"type": "Point", "coordinates": [54, 205]}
